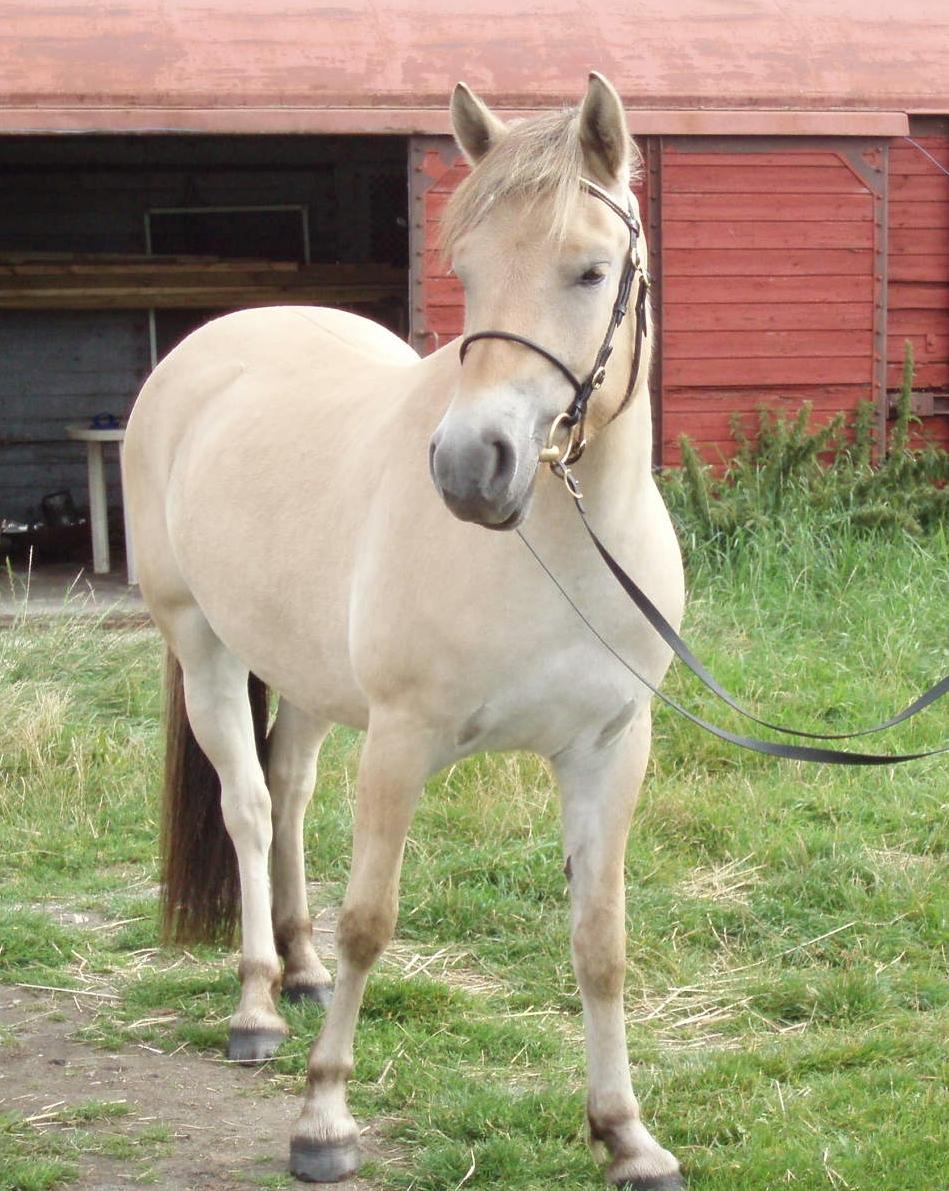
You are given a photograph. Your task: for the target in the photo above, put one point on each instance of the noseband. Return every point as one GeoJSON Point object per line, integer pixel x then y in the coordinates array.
{"type": "Point", "coordinates": [573, 418]}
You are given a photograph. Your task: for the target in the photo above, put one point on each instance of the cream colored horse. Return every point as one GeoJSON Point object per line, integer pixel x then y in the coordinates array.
{"type": "Point", "coordinates": [280, 481]}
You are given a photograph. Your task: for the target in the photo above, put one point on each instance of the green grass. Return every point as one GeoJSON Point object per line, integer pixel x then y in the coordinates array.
{"type": "Point", "coordinates": [786, 981]}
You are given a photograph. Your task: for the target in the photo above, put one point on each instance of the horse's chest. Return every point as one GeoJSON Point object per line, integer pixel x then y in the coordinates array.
{"type": "Point", "coordinates": [559, 698]}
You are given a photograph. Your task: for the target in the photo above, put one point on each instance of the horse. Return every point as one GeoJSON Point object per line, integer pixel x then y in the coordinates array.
{"type": "Point", "coordinates": [320, 513]}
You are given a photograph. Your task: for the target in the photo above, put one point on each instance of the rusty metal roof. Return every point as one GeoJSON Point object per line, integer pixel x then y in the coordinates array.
{"type": "Point", "coordinates": [388, 65]}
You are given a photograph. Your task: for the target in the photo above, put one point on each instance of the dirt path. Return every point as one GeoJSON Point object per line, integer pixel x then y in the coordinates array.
{"type": "Point", "coordinates": [229, 1126]}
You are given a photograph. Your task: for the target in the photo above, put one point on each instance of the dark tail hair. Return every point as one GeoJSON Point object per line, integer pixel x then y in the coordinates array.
{"type": "Point", "coordinates": [200, 894]}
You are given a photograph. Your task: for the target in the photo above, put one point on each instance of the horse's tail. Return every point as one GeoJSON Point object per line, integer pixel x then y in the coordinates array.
{"type": "Point", "coordinates": [200, 895]}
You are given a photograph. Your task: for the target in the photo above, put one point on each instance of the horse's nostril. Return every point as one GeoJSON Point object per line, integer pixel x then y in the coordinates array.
{"type": "Point", "coordinates": [431, 458]}
{"type": "Point", "coordinates": [504, 463]}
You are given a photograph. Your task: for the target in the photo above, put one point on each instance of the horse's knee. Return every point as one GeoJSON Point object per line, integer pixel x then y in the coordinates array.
{"type": "Point", "coordinates": [246, 812]}
{"type": "Point", "coordinates": [364, 931]}
{"type": "Point", "coordinates": [599, 953]}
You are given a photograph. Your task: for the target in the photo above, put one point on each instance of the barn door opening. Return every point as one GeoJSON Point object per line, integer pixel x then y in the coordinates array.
{"type": "Point", "coordinates": [98, 231]}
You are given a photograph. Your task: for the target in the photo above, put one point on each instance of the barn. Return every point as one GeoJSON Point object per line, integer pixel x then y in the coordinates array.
{"type": "Point", "coordinates": [164, 163]}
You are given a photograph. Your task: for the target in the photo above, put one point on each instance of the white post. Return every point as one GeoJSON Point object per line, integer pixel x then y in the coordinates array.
{"type": "Point", "coordinates": [98, 515]}
{"type": "Point", "coordinates": [129, 544]}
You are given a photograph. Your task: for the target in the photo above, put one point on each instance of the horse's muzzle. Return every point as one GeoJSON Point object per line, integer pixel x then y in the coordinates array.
{"type": "Point", "coordinates": [476, 478]}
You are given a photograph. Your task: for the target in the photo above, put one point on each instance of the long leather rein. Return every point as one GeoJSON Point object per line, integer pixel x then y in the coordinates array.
{"type": "Point", "coordinates": [560, 459]}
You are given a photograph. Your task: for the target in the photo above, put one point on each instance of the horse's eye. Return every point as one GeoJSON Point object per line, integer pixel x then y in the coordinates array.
{"type": "Point", "coordinates": [591, 277]}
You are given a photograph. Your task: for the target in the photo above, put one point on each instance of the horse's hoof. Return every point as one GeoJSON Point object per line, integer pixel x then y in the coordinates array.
{"type": "Point", "coordinates": [321, 994]}
{"type": "Point", "coordinates": [324, 1162]}
{"type": "Point", "coordinates": [253, 1046]}
{"type": "Point", "coordinates": [658, 1182]}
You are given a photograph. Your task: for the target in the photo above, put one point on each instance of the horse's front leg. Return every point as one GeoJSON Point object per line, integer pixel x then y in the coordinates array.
{"type": "Point", "coordinates": [392, 770]}
{"type": "Point", "coordinates": [599, 787]}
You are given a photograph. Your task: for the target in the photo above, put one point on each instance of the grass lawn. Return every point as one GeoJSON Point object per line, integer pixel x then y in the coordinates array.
{"type": "Point", "coordinates": [786, 984]}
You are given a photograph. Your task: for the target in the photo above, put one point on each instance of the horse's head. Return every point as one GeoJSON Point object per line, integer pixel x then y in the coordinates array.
{"type": "Point", "coordinates": [541, 256]}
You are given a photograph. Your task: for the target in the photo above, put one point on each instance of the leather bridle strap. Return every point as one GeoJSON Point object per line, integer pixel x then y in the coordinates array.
{"type": "Point", "coordinates": [772, 748]}
{"type": "Point", "coordinates": [535, 347]}
{"type": "Point", "coordinates": [583, 390]}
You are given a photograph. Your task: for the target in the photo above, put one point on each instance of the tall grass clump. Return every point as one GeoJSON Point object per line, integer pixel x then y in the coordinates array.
{"type": "Point", "coordinates": [794, 489]}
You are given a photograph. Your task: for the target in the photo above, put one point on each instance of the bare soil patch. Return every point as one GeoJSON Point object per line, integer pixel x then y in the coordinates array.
{"type": "Point", "coordinates": [228, 1126]}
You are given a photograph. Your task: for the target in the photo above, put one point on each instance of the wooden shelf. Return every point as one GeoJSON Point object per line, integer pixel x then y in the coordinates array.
{"type": "Point", "coordinates": [47, 281]}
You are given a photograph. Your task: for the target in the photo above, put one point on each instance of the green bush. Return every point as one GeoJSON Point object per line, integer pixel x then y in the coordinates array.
{"type": "Point", "coordinates": [790, 477]}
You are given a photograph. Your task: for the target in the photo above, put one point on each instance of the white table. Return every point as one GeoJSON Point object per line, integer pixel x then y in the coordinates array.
{"type": "Point", "coordinates": [98, 513]}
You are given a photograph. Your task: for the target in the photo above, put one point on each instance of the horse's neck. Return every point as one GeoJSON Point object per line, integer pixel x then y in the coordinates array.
{"type": "Point", "coordinates": [617, 465]}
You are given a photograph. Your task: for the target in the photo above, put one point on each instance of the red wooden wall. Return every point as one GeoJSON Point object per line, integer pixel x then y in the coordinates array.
{"type": "Point", "coordinates": [768, 286]}
{"type": "Point", "coordinates": [918, 272]}
{"type": "Point", "coordinates": [772, 259]}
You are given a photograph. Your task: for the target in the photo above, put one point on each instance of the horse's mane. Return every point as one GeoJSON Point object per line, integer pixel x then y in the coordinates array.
{"type": "Point", "coordinates": [539, 160]}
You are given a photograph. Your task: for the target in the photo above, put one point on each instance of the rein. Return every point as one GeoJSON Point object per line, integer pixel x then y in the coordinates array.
{"type": "Point", "coordinates": [574, 417]}
{"type": "Point", "coordinates": [560, 458]}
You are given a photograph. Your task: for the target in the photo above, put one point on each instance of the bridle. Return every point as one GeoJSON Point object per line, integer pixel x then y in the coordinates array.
{"type": "Point", "coordinates": [573, 419]}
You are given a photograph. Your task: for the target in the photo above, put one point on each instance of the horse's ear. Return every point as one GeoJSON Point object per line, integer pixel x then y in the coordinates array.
{"type": "Point", "coordinates": [603, 131]}
{"type": "Point", "coordinates": [475, 126]}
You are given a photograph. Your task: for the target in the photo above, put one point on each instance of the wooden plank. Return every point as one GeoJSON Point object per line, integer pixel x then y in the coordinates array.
{"type": "Point", "coordinates": [928, 375]}
{"type": "Point", "coordinates": [744, 263]}
{"type": "Point", "coordinates": [448, 321]}
{"type": "Point", "coordinates": [768, 234]}
{"type": "Point", "coordinates": [768, 315]}
{"type": "Point", "coordinates": [144, 284]}
{"type": "Point", "coordinates": [749, 178]}
{"type": "Point", "coordinates": [792, 208]}
{"type": "Point", "coordinates": [444, 291]}
{"type": "Point", "coordinates": [919, 241]}
{"type": "Point", "coordinates": [915, 296]}
{"type": "Point", "coordinates": [906, 159]}
{"type": "Point", "coordinates": [796, 288]}
{"type": "Point", "coordinates": [790, 370]}
{"type": "Point", "coordinates": [786, 400]}
{"type": "Point", "coordinates": [927, 346]}
{"type": "Point", "coordinates": [917, 322]}
{"type": "Point", "coordinates": [789, 158]}
{"type": "Point", "coordinates": [910, 213]}
{"type": "Point", "coordinates": [770, 345]}
{"type": "Point", "coordinates": [921, 187]}
{"type": "Point", "coordinates": [934, 268]}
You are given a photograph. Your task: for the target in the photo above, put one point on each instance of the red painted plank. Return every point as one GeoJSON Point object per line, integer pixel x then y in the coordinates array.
{"type": "Point", "coordinates": [793, 370]}
{"type": "Point", "coordinates": [934, 375]}
{"type": "Point", "coordinates": [789, 158]}
{"type": "Point", "coordinates": [767, 315]}
{"type": "Point", "coordinates": [928, 347]}
{"type": "Point", "coordinates": [769, 345]}
{"type": "Point", "coordinates": [796, 288]}
{"type": "Point", "coordinates": [908, 159]}
{"type": "Point", "coordinates": [736, 262]}
{"type": "Point", "coordinates": [787, 399]}
{"type": "Point", "coordinates": [934, 267]}
{"type": "Point", "coordinates": [767, 234]}
{"type": "Point", "coordinates": [917, 322]}
{"type": "Point", "coordinates": [749, 178]}
{"type": "Point", "coordinates": [922, 187]}
{"type": "Point", "coordinates": [907, 213]}
{"type": "Point", "coordinates": [916, 241]}
{"type": "Point", "coordinates": [729, 208]}
{"type": "Point", "coordinates": [915, 296]}
{"type": "Point", "coordinates": [448, 321]}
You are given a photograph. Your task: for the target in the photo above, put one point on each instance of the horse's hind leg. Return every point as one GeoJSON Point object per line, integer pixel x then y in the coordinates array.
{"type": "Point", "coordinates": [394, 765]}
{"type": "Point", "coordinates": [292, 753]}
{"type": "Point", "coordinates": [599, 789]}
{"type": "Point", "coordinates": [215, 688]}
